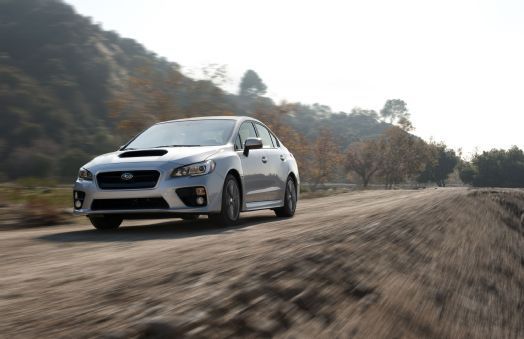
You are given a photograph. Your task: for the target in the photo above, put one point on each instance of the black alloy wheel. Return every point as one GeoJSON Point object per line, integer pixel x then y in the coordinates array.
{"type": "Point", "coordinates": [290, 200]}
{"type": "Point", "coordinates": [231, 201]}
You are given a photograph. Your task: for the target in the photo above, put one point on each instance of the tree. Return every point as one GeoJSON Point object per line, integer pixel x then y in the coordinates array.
{"type": "Point", "coordinates": [365, 112]}
{"type": "Point", "coordinates": [322, 111]}
{"type": "Point", "coordinates": [405, 124]}
{"type": "Point", "coordinates": [364, 158]}
{"type": "Point", "coordinates": [396, 111]}
{"type": "Point", "coordinates": [442, 163]}
{"type": "Point", "coordinates": [467, 173]}
{"type": "Point", "coordinates": [323, 160]}
{"type": "Point", "coordinates": [404, 156]}
{"type": "Point", "coordinates": [495, 168]}
{"type": "Point", "coordinates": [251, 85]}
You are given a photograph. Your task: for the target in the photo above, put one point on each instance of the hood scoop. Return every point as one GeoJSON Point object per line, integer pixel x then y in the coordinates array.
{"type": "Point", "coordinates": [145, 153]}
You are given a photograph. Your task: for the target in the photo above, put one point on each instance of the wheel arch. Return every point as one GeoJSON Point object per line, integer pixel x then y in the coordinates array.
{"type": "Point", "coordinates": [295, 180]}
{"type": "Point", "coordinates": [237, 176]}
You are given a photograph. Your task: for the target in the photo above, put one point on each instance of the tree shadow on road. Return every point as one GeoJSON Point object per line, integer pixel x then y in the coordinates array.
{"type": "Point", "coordinates": [172, 229]}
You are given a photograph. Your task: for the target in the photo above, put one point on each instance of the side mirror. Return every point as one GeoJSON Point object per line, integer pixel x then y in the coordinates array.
{"type": "Point", "coordinates": [252, 143]}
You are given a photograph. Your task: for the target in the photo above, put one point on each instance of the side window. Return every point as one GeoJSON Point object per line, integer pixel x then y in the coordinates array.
{"type": "Point", "coordinates": [238, 144]}
{"type": "Point", "coordinates": [275, 140]}
{"type": "Point", "coordinates": [245, 131]}
{"type": "Point", "coordinates": [264, 134]}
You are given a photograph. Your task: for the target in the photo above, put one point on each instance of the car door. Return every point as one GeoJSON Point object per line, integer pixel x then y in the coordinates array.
{"type": "Point", "coordinates": [253, 168]}
{"type": "Point", "coordinates": [282, 169]}
{"type": "Point", "coordinates": [273, 164]}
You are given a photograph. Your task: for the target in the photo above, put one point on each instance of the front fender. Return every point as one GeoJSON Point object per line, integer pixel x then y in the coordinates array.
{"type": "Point", "coordinates": [226, 162]}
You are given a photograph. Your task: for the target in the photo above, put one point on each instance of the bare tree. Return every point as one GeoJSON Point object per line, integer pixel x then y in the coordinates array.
{"type": "Point", "coordinates": [364, 158]}
{"type": "Point", "coordinates": [324, 158]}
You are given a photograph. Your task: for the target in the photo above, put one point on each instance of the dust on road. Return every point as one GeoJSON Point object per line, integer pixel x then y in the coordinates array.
{"type": "Point", "coordinates": [429, 263]}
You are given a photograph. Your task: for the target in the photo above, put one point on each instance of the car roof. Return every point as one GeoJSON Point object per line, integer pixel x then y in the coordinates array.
{"type": "Point", "coordinates": [219, 117]}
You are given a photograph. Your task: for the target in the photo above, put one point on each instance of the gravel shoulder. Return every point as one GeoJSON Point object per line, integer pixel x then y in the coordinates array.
{"type": "Point", "coordinates": [427, 263]}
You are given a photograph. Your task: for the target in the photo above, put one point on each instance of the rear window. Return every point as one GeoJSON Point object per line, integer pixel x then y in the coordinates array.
{"type": "Point", "coordinates": [264, 134]}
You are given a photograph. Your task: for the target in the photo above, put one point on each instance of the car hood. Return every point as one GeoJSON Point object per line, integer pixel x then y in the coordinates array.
{"type": "Point", "coordinates": [173, 156]}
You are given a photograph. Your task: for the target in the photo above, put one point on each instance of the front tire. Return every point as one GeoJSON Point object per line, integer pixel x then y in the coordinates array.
{"type": "Point", "coordinates": [230, 212]}
{"type": "Point", "coordinates": [290, 200]}
{"type": "Point", "coordinates": [105, 222]}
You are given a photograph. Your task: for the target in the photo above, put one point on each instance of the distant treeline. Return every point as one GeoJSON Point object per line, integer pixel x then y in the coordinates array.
{"type": "Point", "coordinates": [70, 90]}
{"type": "Point", "coordinates": [495, 168]}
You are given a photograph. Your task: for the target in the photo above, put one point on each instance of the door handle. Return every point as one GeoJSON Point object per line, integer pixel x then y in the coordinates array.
{"type": "Point", "coordinates": [264, 159]}
{"type": "Point", "coordinates": [282, 157]}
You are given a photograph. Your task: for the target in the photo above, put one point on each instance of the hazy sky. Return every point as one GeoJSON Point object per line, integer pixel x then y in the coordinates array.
{"type": "Point", "coordinates": [459, 64]}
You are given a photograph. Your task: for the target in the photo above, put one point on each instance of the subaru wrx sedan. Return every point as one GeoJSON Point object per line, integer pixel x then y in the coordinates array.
{"type": "Point", "coordinates": [214, 166]}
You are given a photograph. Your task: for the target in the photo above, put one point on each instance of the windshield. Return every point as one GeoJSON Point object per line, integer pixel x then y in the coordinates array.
{"type": "Point", "coordinates": [212, 132]}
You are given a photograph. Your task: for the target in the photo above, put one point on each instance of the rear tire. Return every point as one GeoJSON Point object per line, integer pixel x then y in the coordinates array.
{"type": "Point", "coordinates": [105, 222]}
{"type": "Point", "coordinates": [230, 211]}
{"type": "Point", "coordinates": [290, 200]}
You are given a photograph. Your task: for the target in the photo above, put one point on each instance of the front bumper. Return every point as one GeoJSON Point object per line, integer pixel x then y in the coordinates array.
{"type": "Point", "coordinates": [166, 188]}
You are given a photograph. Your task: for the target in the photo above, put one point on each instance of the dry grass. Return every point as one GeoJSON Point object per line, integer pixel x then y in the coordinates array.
{"type": "Point", "coordinates": [39, 211]}
{"type": "Point", "coordinates": [25, 206]}
{"type": "Point", "coordinates": [54, 196]}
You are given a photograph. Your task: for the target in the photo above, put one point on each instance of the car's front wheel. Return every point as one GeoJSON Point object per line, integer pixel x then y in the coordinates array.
{"type": "Point", "coordinates": [105, 222]}
{"type": "Point", "coordinates": [230, 211]}
{"type": "Point", "coordinates": [290, 200]}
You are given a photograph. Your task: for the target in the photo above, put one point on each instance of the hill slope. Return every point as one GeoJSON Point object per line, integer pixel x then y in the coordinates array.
{"type": "Point", "coordinates": [67, 87]}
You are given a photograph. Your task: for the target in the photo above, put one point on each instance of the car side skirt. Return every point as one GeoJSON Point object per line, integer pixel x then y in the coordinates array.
{"type": "Point", "coordinates": [260, 205]}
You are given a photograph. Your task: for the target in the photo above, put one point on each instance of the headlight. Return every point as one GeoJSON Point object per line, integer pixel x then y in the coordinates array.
{"type": "Point", "coordinates": [200, 168]}
{"type": "Point", "coordinates": [85, 174]}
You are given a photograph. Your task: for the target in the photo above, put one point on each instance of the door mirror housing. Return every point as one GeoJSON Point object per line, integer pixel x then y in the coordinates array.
{"type": "Point", "coordinates": [252, 143]}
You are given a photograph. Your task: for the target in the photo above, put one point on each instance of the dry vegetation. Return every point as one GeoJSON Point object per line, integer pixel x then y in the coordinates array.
{"type": "Point", "coordinates": [429, 263]}
{"type": "Point", "coordinates": [26, 206]}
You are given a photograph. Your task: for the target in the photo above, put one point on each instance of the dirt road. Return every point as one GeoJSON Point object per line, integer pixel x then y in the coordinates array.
{"type": "Point", "coordinates": [430, 263]}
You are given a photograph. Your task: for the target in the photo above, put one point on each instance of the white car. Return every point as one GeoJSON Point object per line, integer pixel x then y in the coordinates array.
{"type": "Point", "coordinates": [215, 166]}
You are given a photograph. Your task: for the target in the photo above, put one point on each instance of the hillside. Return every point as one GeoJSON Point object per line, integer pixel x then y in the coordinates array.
{"type": "Point", "coordinates": [67, 87]}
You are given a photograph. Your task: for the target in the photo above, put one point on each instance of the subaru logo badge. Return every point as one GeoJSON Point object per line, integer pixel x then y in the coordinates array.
{"type": "Point", "coordinates": [126, 176]}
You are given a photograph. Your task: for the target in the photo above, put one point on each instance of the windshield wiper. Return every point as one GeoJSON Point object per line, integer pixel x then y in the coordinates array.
{"type": "Point", "coordinates": [177, 146]}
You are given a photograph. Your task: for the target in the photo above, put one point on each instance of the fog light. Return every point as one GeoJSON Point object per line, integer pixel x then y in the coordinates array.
{"type": "Point", "coordinates": [78, 199]}
{"type": "Point", "coordinates": [195, 196]}
{"type": "Point", "coordinates": [200, 191]}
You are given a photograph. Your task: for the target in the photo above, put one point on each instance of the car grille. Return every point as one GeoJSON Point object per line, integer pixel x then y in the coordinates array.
{"type": "Point", "coordinates": [139, 179]}
{"type": "Point", "coordinates": [129, 204]}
